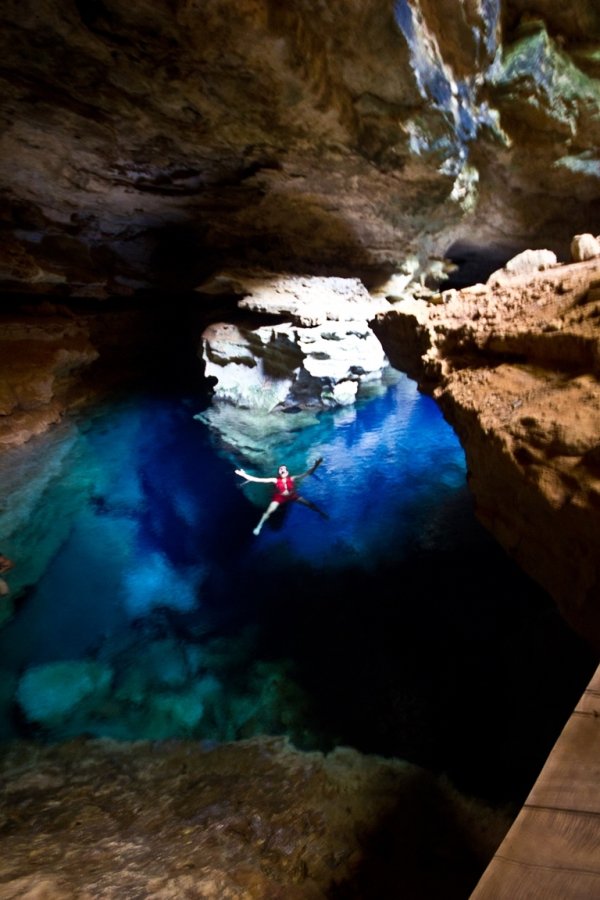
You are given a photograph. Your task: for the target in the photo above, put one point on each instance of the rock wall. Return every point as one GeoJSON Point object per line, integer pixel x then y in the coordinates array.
{"type": "Point", "coordinates": [41, 359]}
{"type": "Point", "coordinates": [145, 146]}
{"type": "Point", "coordinates": [515, 365]}
{"type": "Point", "coordinates": [57, 358]}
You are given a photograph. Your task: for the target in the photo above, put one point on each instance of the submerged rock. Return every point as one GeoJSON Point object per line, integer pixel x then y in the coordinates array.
{"type": "Point", "coordinates": [48, 693]}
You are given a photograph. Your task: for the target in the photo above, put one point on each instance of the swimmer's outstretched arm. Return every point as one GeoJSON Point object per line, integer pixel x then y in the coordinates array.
{"type": "Point", "coordinates": [310, 471]}
{"type": "Point", "coordinates": [245, 475]}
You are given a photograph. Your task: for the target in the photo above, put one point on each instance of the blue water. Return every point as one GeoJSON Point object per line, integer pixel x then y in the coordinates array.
{"type": "Point", "coordinates": [144, 607]}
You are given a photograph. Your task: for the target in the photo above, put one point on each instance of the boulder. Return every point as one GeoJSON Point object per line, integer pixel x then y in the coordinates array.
{"type": "Point", "coordinates": [584, 246]}
{"type": "Point", "coordinates": [525, 263]}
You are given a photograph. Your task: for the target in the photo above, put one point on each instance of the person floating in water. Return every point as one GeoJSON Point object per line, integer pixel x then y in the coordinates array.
{"type": "Point", "coordinates": [285, 491]}
{"type": "Point", "coordinates": [5, 565]}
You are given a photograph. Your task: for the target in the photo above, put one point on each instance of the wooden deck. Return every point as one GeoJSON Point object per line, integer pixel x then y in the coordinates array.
{"type": "Point", "coordinates": [552, 851]}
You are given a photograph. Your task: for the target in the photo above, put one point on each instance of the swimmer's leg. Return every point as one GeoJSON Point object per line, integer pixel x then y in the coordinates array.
{"type": "Point", "coordinates": [268, 511]}
{"type": "Point", "coordinates": [312, 506]}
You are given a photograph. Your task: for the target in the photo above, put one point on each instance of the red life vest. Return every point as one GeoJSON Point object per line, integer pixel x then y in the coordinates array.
{"type": "Point", "coordinates": [284, 489]}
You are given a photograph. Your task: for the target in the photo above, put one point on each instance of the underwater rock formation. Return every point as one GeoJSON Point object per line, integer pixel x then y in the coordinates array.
{"type": "Point", "coordinates": [514, 365]}
{"type": "Point", "coordinates": [52, 692]}
{"type": "Point", "coordinates": [255, 819]}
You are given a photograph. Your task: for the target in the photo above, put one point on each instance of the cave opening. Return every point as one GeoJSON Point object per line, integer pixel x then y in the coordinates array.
{"type": "Point", "coordinates": [475, 262]}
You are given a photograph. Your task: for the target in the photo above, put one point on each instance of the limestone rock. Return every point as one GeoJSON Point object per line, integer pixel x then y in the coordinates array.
{"type": "Point", "coordinates": [525, 263]}
{"type": "Point", "coordinates": [320, 358]}
{"type": "Point", "coordinates": [41, 358]}
{"type": "Point", "coordinates": [145, 146]}
{"type": "Point", "coordinates": [57, 358]}
{"type": "Point", "coordinates": [255, 819]}
{"type": "Point", "coordinates": [584, 246]}
{"type": "Point", "coordinates": [308, 301]}
{"type": "Point", "coordinates": [515, 368]}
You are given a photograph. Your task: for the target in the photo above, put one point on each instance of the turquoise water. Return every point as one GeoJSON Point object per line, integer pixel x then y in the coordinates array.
{"type": "Point", "coordinates": [144, 607]}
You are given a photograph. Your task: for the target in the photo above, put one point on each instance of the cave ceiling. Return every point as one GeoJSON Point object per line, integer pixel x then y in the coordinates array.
{"type": "Point", "coordinates": [145, 146]}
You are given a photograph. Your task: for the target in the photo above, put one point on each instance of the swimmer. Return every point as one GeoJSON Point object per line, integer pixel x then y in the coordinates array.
{"type": "Point", "coordinates": [285, 491]}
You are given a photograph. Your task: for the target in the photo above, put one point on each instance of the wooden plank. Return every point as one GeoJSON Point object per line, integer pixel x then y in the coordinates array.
{"type": "Point", "coordinates": [589, 704]}
{"type": "Point", "coordinates": [570, 778]}
{"type": "Point", "coordinates": [505, 880]}
{"type": "Point", "coordinates": [552, 850]}
{"type": "Point", "coordinates": [554, 839]}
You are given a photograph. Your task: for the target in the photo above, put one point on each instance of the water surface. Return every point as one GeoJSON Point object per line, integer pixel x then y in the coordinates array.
{"type": "Point", "coordinates": [146, 608]}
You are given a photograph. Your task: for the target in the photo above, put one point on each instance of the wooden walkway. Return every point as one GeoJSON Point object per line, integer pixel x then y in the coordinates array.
{"type": "Point", "coordinates": [552, 851]}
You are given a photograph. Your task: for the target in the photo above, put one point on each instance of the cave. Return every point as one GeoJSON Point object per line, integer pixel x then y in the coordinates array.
{"type": "Point", "coordinates": [362, 242]}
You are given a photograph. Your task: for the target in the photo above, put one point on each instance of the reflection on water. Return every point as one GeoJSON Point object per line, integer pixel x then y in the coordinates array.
{"type": "Point", "coordinates": [144, 607]}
